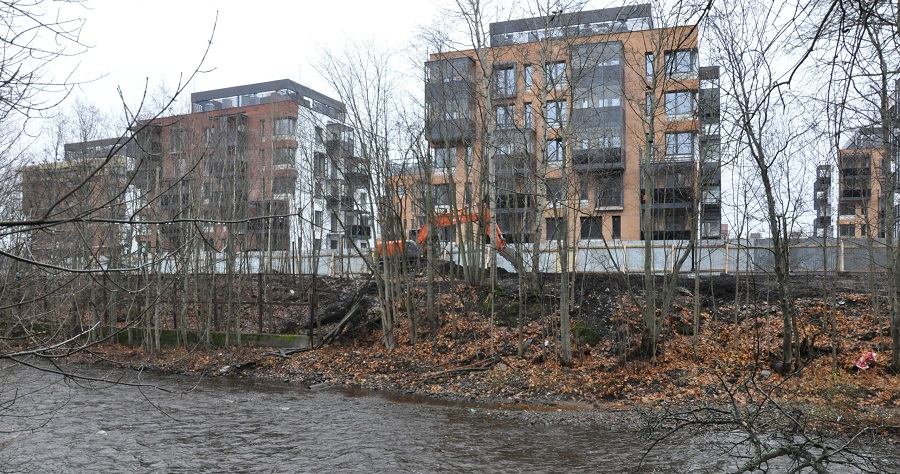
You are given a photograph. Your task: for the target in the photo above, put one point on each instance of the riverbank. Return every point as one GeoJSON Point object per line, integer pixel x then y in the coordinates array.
{"type": "Point", "coordinates": [473, 357]}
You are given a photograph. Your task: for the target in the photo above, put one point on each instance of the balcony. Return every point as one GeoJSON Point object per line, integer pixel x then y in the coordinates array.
{"type": "Point", "coordinates": [339, 148]}
{"type": "Point", "coordinates": [359, 231]}
{"type": "Point", "coordinates": [598, 158]}
{"type": "Point", "coordinates": [450, 130]}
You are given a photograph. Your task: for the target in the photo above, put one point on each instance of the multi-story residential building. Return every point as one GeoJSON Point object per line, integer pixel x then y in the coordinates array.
{"type": "Point", "coordinates": [577, 123]}
{"type": "Point", "coordinates": [258, 176]}
{"type": "Point", "coordinates": [80, 218]}
{"type": "Point", "coordinates": [861, 210]}
{"type": "Point", "coordinates": [270, 169]}
{"type": "Point", "coordinates": [822, 202]}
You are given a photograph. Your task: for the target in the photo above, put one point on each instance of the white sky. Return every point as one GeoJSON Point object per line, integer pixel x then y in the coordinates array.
{"type": "Point", "coordinates": [135, 41]}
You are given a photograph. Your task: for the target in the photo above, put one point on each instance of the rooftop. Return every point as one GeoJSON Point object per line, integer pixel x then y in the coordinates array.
{"type": "Point", "coordinates": [582, 23]}
{"type": "Point", "coordinates": [267, 92]}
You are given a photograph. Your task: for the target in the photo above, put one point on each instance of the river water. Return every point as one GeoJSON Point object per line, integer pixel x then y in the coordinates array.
{"type": "Point", "coordinates": [228, 425]}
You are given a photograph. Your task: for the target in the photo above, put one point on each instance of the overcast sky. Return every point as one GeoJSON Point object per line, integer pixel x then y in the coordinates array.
{"type": "Point", "coordinates": [135, 41]}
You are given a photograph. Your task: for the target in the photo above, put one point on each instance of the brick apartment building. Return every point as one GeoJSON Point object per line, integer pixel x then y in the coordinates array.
{"type": "Point", "coordinates": [79, 214]}
{"type": "Point", "coordinates": [597, 112]}
{"type": "Point", "coordinates": [271, 168]}
{"type": "Point", "coordinates": [266, 172]}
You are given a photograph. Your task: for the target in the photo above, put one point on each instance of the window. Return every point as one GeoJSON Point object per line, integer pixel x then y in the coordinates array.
{"type": "Point", "coordinates": [609, 138]}
{"type": "Point", "coordinates": [177, 140]}
{"type": "Point", "coordinates": [609, 102]}
{"type": "Point", "coordinates": [680, 144]}
{"type": "Point", "coordinates": [556, 113]}
{"type": "Point", "coordinates": [335, 224]}
{"type": "Point", "coordinates": [505, 81]}
{"type": "Point", "coordinates": [528, 115]}
{"type": "Point", "coordinates": [609, 190]}
{"type": "Point", "coordinates": [506, 116]}
{"type": "Point", "coordinates": [555, 190]}
{"type": "Point", "coordinates": [320, 135]}
{"type": "Point", "coordinates": [648, 59]}
{"type": "Point", "coordinates": [333, 244]}
{"type": "Point", "coordinates": [555, 75]}
{"type": "Point", "coordinates": [441, 194]}
{"type": "Point", "coordinates": [529, 77]}
{"type": "Point", "coordinates": [651, 105]}
{"type": "Point", "coordinates": [285, 156]}
{"type": "Point", "coordinates": [681, 63]}
{"type": "Point", "coordinates": [555, 150]}
{"type": "Point", "coordinates": [444, 159]}
{"type": "Point", "coordinates": [283, 185]}
{"type": "Point", "coordinates": [679, 103]}
{"type": "Point", "coordinates": [846, 230]}
{"type": "Point", "coordinates": [617, 227]}
{"type": "Point", "coordinates": [262, 130]}
{"type": "Point", "coordinates": [846, 209]}
{"type": "Point", "coordinates": [318, 218]}
{"type": "Point", "coordinates": [208, 134]}
{"type": "Point", "coordinates": [592, 228]}
{"type": "Point", "coordinates": [319, 163]}
{"type": "Point", "coordinates": [555, 228]}
{"type": "Point", "coordinates": [285, 126]}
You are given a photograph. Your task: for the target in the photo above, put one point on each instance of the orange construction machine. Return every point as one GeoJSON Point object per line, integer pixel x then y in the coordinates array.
{"type": "Point", "coordinates": [412, 248]}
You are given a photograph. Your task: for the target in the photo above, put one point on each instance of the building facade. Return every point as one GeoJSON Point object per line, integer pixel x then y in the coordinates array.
{"type": "Point", "coordinates": [861, 209]}
{"type": "Point", "coordinates": [575, 125]}
{"type": "Point", "coordinates": [823, 224]}
{"type": "Point", "coordinates": [79, 206]}
{"type": "Point", "coordinates": [255, 178]}
{"type": "Point", "coordinates": [270, 170]}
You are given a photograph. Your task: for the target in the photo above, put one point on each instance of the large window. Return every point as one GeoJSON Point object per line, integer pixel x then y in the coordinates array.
{"type": "Point", "coordinates": [555, 228]}
{"type": "Point", "coordinates": [555, 75]}
{"type": "Point", "coordinates": [609, 190]}
{"type": "Point", "coordinates": [285, 126]}
{"type": "Point", "coordinates": [284, 156]}
{"type": "Point", "coordinates": [283, 185]}
{"type": "Point", "coordinates": [444, 159]}
{"type": "Point", "coordinates": [505, 81]}
{"type": "Point", "coordinates": [441, 194]}
{"type": "Point", "coordinates": [680, 144]}
{"type": "Point", "coordinates": [555, 189]}
{"type": "Point", "coordinates": [506, 116]}
{"type": "Point", "coordinates": [683, 62]}
{"type": "Point", "coordinates": [177, 140]}
{"type": "Point", "coordinates": [555, 150]}
{"type": "Point", "coordinates": [556, 113]}
{"type": "Point", "coordinates": [847, 230]}
{"type": "Point", "coordinates": [592, 228]}
{"type": "Point", "coordinates": [679, 104]}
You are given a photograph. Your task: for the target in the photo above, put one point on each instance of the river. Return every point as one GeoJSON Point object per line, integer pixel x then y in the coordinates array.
{"type": "Point", "coordinates": [229, 425]}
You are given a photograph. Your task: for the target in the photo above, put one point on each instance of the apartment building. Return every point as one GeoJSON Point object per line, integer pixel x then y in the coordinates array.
{"type": "Point", "coordinates": [270, 168]}
{"type": "Point", "coordinates": [861, 209]}
{"type": "Point", "coordinates": [578, 125]}
{"type": "Point", "coordinates": [82, 214]}
{"type": "Point", "coordinates": [823, 224]}
{"type": "Point", "coordinates": [257, 176]}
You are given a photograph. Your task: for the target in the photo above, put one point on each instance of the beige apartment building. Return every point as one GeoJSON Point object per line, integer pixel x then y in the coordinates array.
{"type": "Point", "coordinates": [574, 125]}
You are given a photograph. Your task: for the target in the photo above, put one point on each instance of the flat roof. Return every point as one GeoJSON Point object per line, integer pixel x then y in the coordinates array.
{"type": "Point", "coordinates": [570, 19]}
{"type": "Point", "coordinates": [263, 87]}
